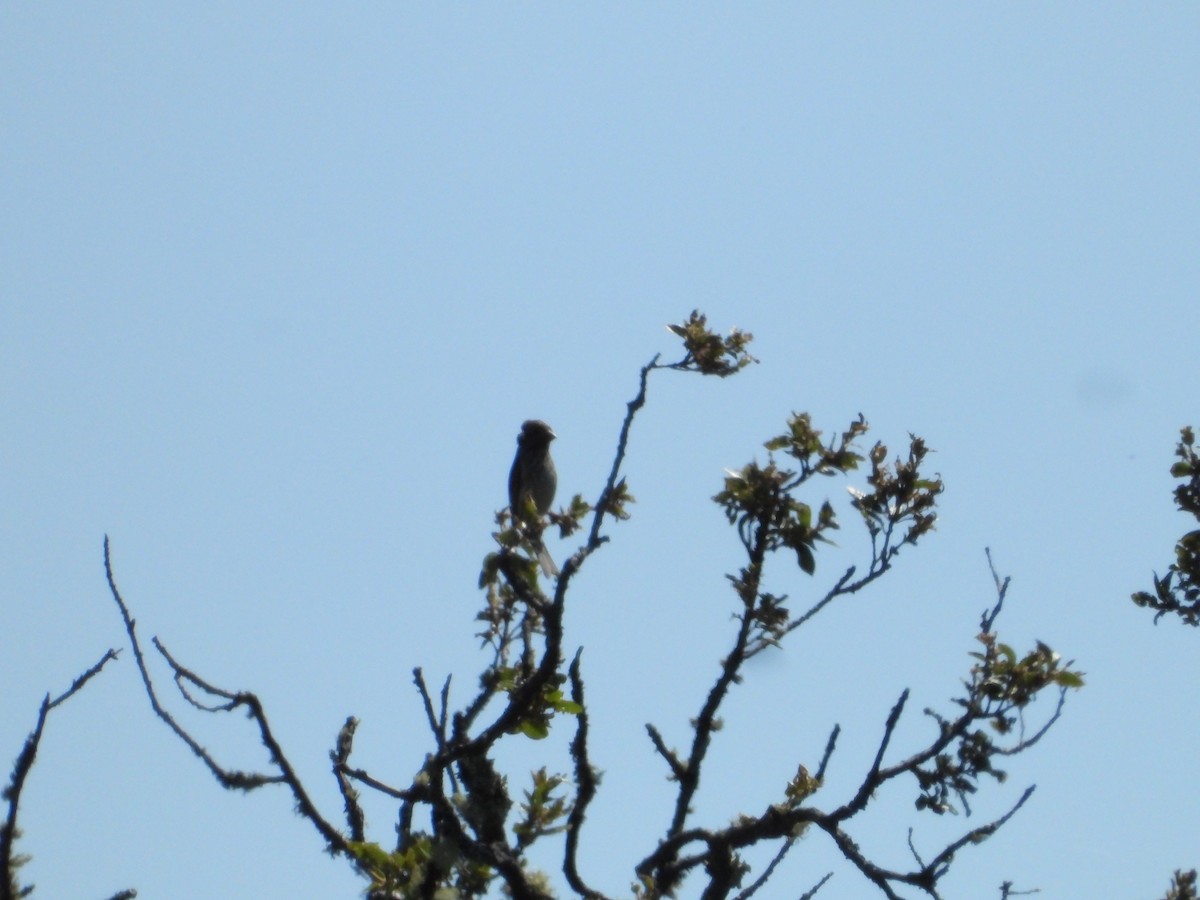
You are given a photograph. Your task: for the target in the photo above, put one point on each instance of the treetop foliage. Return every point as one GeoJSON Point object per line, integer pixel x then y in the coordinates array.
{"type": "Point", "coordinates": [464, 828]}
{"type": "Point", "coordinates": [1178, 592]}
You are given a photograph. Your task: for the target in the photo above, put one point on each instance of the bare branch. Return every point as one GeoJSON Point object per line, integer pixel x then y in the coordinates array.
{"type": "Point", "coordinates": [430, 715]}
{"type": "Point", "coordinates": [689, 783]}
{"type": "Point", "coordinates": [445, 705]}
{"type": "Point", "coordinates": [586, 782]}
{"type": "Point", "coordinates": [85, 677]}
{"type": "Point", "coordinates": [376, 784]}
{"type": "Point", "coordinates": [678, 768]}
{"type": "Point", "coordinates": [912, 848]}
{"type": "Point", "coordinates": [838, 589]}
{"type": "Point", "coordinates": [237, 779]}
{"type": "Point", "coordinates": [941, 862]}
{"type": "Point", "coordinates": [245, 781]}
{"type": "Point", "coordinates": [1007, 891]}
{"type": "Point", "coordinates": [829, 747]}
{"type": "Point", "coordinates": [633, 406]}
{"type": "Point", "coordinates": [874, 777]}
{"type": "Point", "coordinates": [812, 892]}
{"type": "Point", "coordinates": [664, 861]}
{"type": "Point", "coordinates": [355, 819]}
{"type": "Point", "coordinates": [879, 877]}
{"type": "Point", "coordinates": [762, 879]}
{"type": "Point", "coordinates": [20, 772]}
{"type": "Point", "coordinates": [989, 617]}
{"type": "Point", "coordinates": [1029, 742]}
{"type": "Point", "coordinates": [231, 779]}
{"type": "Point", "coordinates": [287, 774]}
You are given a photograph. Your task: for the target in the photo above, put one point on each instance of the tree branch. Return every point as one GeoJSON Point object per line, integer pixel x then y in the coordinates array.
{"type": "Point", "coordinates": [677, 767]}
{"type": "Point", "coordinates": [586, 782]}
{"type": "Point", "coordinates": [874, 778]}
{"type": "Point", "coordinates": [20, 772]}
{"type": "Point", "coordinates": [228, 778]}
{"type": "Point", "coordinates": [340, 756]}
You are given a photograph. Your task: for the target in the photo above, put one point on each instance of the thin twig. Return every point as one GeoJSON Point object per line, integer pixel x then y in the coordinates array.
{"type": "Point", "coordinates": [758, 882]}
{"type": "Point", "coordinates": [622, 442]}
{"type": "Point", "coordinates": [85, 677]}
{"type": "Point", "coordinates": [24, 764]}
{"type": "Point", "coordinates": [585, 787]}
{"type": "Point", "coordinates": [1029, 742]}
{"type": "Point", "coordinates": [873, 778]}
{"type": "Point", "coordinates": [678, 768]}
{"type": "Point", "coordinates": [989, 616]}
{"type": "Point", "coordinates": [427, 701]}
{"type": "Point", "coordinates": [376, 784]}
{"type": "Point", "coordinates": [812, 892]}
{"type": "Point", "coordinates": [941, 862]}
{"type": "Point", "coordinates": [355, 818]}
{"type": "Point", "coordinates": [842, 587]}
{"type": "Point", "coordinates": [881, 878]}
{"type": "Point", "coordinates": [703, 725]}
{"type": "Point", "coordinates": [912, 848]}
{"type": "Point", "coordinates": [829, 746]}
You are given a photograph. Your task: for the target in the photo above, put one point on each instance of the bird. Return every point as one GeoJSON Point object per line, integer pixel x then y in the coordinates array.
{"type": "Point", "coordinates": [533, 478]}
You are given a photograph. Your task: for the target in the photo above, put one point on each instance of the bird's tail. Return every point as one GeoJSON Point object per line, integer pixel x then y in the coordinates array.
{"type": "Point", "coordinates": [546, 561]}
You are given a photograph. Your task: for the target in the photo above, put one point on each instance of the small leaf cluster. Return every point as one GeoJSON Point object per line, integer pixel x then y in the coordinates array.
{"type": "Point", "coordinates": [543, 809]}
{"type": "Point", "coordinates": [760, 499]}
{"type": "Point", "coordinates": [511, 573]}
{"type": "Point", "coordinates": [1183, 886]}
{"type": "Point", "coordinates": [1000, 682]}
{"type": "Point", "coordinates": [418, 870]}
{"type": "Point", "coordinates": [1187, 495]}
{"type": "Point", "coordinates": [15, 862]}
{"type": "Point", "coordinates": [803, 443]}
{"type": "Point", "coordinates": [1000, 686]}
{"type": "Point", "coordinates": [800, 788]}
{"type": "Point", "coordinates": [708, 352]}
{"type": "Point", "coordinates": [613, 502]}
{"type": "Point", "coordinates": [540, 709]}
{"type": "Point", "coordinates": [524, 534]}
{"type": "Point", "coordinates": [1178, 591]}
{"type": "Point", "coordinates": [570, 519]}
{"type": "Point", "coordinates": [899, 494]}
{"type": "Point", "coordinates": [763, 495]}
{"type": "Point", "coordinates": [500, 611]}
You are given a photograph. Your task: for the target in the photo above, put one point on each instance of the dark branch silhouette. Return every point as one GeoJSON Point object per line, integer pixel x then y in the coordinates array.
{"type": "Point", "coordinates": [22, 766]}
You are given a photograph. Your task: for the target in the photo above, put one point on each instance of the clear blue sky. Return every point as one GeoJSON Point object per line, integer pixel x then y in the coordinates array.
{"type": "Point", "coordinates": [278, 283]}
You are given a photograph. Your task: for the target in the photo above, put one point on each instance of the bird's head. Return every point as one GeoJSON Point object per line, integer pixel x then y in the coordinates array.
{"type": "Point", "coordinates": [536, 433]}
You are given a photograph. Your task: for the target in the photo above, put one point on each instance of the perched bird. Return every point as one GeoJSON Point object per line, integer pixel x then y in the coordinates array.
{"type": "Point", "coordinates": [533, 478]}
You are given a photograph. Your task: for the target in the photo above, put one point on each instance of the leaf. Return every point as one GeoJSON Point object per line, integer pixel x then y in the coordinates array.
{"type": "Point", "coordinates": [535, 730]}
{"type": "Point", "coordinates": [370, 854]}
{"type": "Point", "coordinates": [805, 515]}
{"type": "Point", "coordinates": [804, 556]}
{"type": "Point", "coordinates": [1069, 679]}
